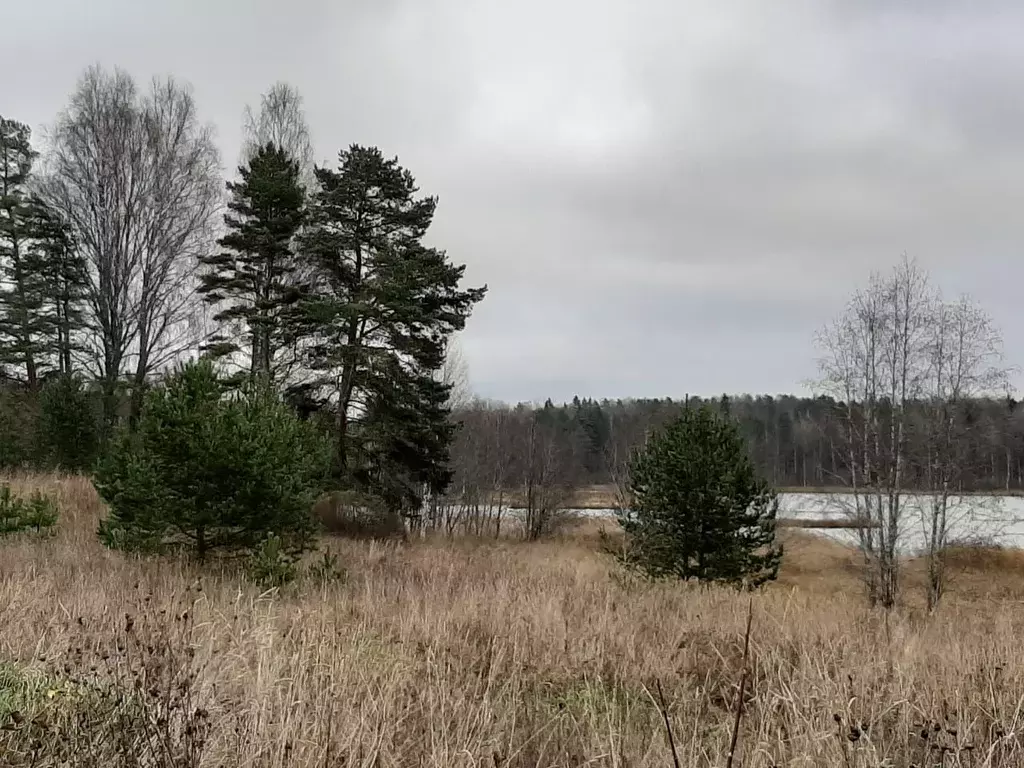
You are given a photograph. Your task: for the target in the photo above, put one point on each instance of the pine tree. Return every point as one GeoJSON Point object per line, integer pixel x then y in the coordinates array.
{"type": "Point", "coordinates": [206, 470]}
{"type": "Point", "coordinates": [699, 508]}
{"type": "Point", "coordinates": [255, 278]}
{"type": "Point", "coordinates": [69, 426]}
{"type": "Point", "coordinates": [64, 281]}
{"type": "Point", "coordinates": [21, 297]}
{"type": "Point", "coordinates": [592, 430]}
{"type": "Point", "coordinates": [407, 434]}
{"type": "Point", "coordinates": [725, 406]}
{"type": "Point", "coordinates": [380, 315]}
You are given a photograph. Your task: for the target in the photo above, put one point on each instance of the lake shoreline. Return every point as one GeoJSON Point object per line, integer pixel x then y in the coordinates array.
{"type": "Point", "coordinates": [978, 518]}
{"type": "Point", "coordinates": [604, 496]}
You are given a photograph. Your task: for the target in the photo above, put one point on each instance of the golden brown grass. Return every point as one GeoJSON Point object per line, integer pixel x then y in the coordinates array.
{"type": "Point", "coordinates": [471, 653]}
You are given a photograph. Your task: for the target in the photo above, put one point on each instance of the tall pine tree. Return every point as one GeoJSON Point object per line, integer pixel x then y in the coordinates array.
{"type": "Point", "coordinates": [21, 297]}
{"type": "Point", "coordinates": [254, 280]}
{"type": "Point", "coordinates": [63, 283]}
{"type": "Point", "coordinates": [379, 315]}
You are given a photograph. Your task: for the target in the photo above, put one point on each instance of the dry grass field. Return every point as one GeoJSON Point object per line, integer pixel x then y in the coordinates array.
{"type": "Point", "coordinates": [471, 653]}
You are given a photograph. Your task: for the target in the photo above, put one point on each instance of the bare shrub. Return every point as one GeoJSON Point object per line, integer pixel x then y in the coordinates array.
{"type": "Point", "coordinates": [358, 516]}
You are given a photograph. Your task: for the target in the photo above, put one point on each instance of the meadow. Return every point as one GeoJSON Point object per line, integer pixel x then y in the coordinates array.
{"type": "Point", "coordinates": [470, 652]}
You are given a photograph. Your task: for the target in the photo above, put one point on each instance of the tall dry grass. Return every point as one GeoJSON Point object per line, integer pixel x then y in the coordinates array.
{"type": "Point", "coordinates": [468, 653]}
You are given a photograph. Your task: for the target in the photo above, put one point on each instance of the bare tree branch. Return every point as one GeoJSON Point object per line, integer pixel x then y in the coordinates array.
{"type": "Point", "coordinates": [964, 352]}
{"type": "Point", "coordinates": [874, 364]}
{"type": "Point", "coordinates": [280, 120]}
{"type": "Point", "coordinates": [455, 373]}
{"type": "Point", "coordinates": [137, 178]}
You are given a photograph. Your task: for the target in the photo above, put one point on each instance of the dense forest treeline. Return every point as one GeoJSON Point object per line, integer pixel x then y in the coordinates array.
{"type": "Point", "coordinates": [796, 442]}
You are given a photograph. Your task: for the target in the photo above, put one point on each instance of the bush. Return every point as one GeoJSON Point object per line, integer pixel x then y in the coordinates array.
{"type": "Point", "coordinates": [357, 515]}
{"type": "Point", "coordinates": [699, 509]}
{"type": "Point", "coordinates": [207, 470]}
{"type": "Point", "coordinates": [69, 424]}
{"type": "Point", "coordinates": [37, 513]}
{"type": "Point", "coordinates": [19, 420]}
{"type": "Point", "coordinates": [271, 564]}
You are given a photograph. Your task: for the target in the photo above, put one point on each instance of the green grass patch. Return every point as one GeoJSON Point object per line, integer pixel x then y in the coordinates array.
{"type": "Point", "coordinates": [27, 694]}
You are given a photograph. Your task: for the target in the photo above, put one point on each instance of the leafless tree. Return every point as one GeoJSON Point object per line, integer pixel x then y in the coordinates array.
{"type": "Point", "coordinates": [136, 176]}
{"type": "Point", "coordinates": [481, 459]}
{"type": "Point", "coordinates": [280, 120]}
{"type": "Point", "coordinates": [965, 360]}
{"type": "Point", "coordinates": [906, 366]}
{"type": "Point", "coordinates": [875, 361]}
{"type": "Point", "coordinates": [549, 475]}
{"type": "Point", "coordinates": [805, 437]}
{"type": "Point", "coordinates": [495, 464]}
{"type": "Point", "coordinates": [1012, 431]}
{"type": "Point", "coordinates": [624, 436]}
{"type": "Point", "coordinates": [503, 458]}
{"type": "Point", "coordinates": [455, 373]}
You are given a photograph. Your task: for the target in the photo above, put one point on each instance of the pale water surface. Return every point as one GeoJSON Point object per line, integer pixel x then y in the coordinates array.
{"type": "Point", "coordinates": [987, 519]}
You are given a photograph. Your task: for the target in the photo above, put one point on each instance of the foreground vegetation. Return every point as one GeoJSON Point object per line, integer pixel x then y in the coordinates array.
{"type": "Point", "coordinates": [462, 652]}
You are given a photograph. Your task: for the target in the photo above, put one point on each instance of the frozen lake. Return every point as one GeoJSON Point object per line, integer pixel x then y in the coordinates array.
{"type": "Point", "coordinates": [988, 519]}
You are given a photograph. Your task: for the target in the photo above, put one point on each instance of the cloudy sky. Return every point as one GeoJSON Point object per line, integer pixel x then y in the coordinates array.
{"type": "Point", "coordinates": [664, 196]}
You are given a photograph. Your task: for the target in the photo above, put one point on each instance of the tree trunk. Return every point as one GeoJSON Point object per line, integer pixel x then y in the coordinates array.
{"type": "Point", "coordinates": [201, 544]}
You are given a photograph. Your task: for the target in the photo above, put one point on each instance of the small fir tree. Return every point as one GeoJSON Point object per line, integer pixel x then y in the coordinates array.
{"type": "Point", "coordinates": [699, 508]}
{"type": "Point", "coordinates": [209, 470]}
{"type": "Point", "coordinates": [38, 513]}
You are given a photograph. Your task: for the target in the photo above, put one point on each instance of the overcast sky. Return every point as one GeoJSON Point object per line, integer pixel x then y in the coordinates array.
{"type": "Point", "coordinates": [664, 196]}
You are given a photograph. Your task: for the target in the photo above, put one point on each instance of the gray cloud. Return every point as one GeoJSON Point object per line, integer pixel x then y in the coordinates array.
{"type": "Point", "coordinates": [664, 197]}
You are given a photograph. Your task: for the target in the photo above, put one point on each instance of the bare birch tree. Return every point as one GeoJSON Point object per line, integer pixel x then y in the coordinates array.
{"type": "Point", "coordinates": [455, 373]}
{"type": "Point", "coordinates": [280, 120]}
{"type": "Point", "coordinates": [136, 176]}
{"type": "Point", "coordinates": [965, 361]}
{"type": "Point", "coordinates": [874, 361]}
{"type": "Point", "coordinates": [481, 458]}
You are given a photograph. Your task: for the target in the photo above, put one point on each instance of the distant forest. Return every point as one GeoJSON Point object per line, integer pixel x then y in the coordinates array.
{"type": "Point", "coordinates": [797, 442]}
